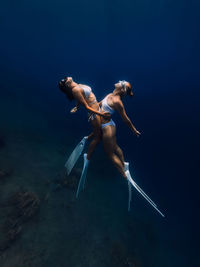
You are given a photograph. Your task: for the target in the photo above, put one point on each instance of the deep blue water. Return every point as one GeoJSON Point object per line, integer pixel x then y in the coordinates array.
{"type": "Point", "coordinates": [155, 46]}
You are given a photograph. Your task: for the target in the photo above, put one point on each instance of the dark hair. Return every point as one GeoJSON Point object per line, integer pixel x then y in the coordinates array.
{"type": "Point", "coordinates": [66, 89]}
{"type": "Point", "coordinates": [129, 90]}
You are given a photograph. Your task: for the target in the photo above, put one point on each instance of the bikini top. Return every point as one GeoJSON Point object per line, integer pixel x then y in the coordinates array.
{"type": "Point", "coordinates": [87, 90]}
{"type": "Point", "coordinates": [105, 107]}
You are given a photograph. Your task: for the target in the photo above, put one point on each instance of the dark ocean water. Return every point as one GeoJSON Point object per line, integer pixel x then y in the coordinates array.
{"type": "Point", "coordinates": [155, 46]}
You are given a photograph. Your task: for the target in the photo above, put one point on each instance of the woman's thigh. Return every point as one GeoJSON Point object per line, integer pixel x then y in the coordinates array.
{"type": "Point", "coordinates": [96, 126]}
{"type": "Point", "coordinates": [109, 139]}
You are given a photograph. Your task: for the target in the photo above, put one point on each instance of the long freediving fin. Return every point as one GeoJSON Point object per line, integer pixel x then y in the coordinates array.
{"type": "Point", "coordinates": [75, 155]}
{"type": "Point", "coordinates": [126, 168]}
{"type": "Point", "coordinates": [83, 175]}
{"type": "Point", "coordinates": [129, 178]}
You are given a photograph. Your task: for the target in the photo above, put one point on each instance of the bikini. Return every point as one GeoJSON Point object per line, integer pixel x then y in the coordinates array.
{"type": "Point", "coordinates": [106, 108]}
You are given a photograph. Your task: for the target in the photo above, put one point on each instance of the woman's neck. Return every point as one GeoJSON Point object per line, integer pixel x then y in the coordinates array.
{"type": "Point", "coordinates": [73, 84]}
{"type": "Point", "coordinates": [117, 93]}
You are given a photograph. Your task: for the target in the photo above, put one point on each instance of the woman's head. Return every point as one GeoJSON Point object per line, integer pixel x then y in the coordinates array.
{"type": "Point", "coordinates": [65, 86]}
{"type": "Point", "coordinates": [69, 81]}
{"type": "Point", "coordinates": [124, 88]}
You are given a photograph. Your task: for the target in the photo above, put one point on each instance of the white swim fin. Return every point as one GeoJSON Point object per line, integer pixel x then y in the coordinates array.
{"type": "Point", "coordinates": [126, 168]}
{"type": "Point", "coordinates": [83, 175]}
{"type": "Point", "coordinates": [130, 180]}
{"type": "Point", "coordinates": [75, 155]}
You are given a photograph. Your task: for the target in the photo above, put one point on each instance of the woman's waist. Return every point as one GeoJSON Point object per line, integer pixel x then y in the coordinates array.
{"type": "Point", "coordinates": [91, 100]}
{"type": "Point", "coordinates": [93, 104]}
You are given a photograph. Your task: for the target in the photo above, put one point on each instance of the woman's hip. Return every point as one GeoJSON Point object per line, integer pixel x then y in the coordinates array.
{"type": "Point", "coordinates": [110, 123]}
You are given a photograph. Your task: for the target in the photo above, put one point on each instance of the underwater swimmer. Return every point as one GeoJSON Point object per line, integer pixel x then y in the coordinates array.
{"type": "Point", "coordinates": [84, 96]}
{"type": "Point", "coordinates": [113, 102]}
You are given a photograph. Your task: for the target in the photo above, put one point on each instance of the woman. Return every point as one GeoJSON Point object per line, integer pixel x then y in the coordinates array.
{"type": "Point", "coordinates": [113, 102]}
{"type": "Point", "coordinates": [84, 96]}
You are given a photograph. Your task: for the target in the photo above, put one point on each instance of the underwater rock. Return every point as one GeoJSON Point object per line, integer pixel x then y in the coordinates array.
{"type": "Point", "coordinates": [26, 204]}
{"type": "Point", "coordinates": [13, 233]}
{"type": "Point", "coordinates": [9, 235]}
{"type": "Point", "coordinates": [21, 207]}
{"type": "Point", "coordinates": [71, 181]}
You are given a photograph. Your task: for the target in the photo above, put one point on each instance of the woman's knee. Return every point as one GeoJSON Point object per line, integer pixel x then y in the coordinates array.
{"type": "Point", "coordinates": [97, 139]}
{"type": "Point", "coordinates": [97, 135]}
{"type": "Point", "coordinates": [110, 155]}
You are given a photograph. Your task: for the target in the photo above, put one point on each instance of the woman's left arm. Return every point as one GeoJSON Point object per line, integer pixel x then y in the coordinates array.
{"type": "Point", "coordinates": [120, 108]}
{"type": "Point", "coordinates": [100, 103]}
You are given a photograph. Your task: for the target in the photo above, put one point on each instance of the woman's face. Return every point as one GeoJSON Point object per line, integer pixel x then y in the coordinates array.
{"type": "Point", "coordinates": [128, 86]}
{"type": "Point", "coordinates": [68, 81]}
{"type": "Point", "coordinates": [118, 85]}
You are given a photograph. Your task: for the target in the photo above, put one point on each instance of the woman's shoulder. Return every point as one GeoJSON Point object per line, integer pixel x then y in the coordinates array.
{"type": "Point", "coordinates": [77, 89]}
{"type": "Point", "coordinates": [113, 98]}
{"type": "Point", "coordinates": [117, 100]}
{"type": "Point", "coordinates": [109, 95]}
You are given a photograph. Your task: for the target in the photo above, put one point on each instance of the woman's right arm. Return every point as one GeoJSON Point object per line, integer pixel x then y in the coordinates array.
{"type": "Point", "coordinates": [74, 109]}
{"type": "Point", "coordinates": [120, 108]}
{"type": "Point", "coordinates": [79, 97]}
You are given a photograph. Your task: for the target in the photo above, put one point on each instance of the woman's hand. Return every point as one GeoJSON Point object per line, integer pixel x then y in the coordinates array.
{"type": "Point", "coordinates": [73, 110]}
{"type": "Point", "coordinates": [100, 103]}
{"type": "Point", "coordinates": [106, 115]}
{"type": "Point", "coordinates": [137, 133]}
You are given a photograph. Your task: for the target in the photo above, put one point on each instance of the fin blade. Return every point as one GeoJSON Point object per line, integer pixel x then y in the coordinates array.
{"type": "Point", "coordinates": [143, 194]}
{"type": "Point", "coordinates": [82, 180]}
{"type": "Point", "coordinates": [75, 155]}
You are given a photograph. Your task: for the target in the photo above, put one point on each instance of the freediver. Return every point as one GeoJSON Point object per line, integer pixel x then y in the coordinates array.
{"type": "Point", "coordinates": [113, 102]}
{"type": "Point", "coordinates": [84, 96]}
